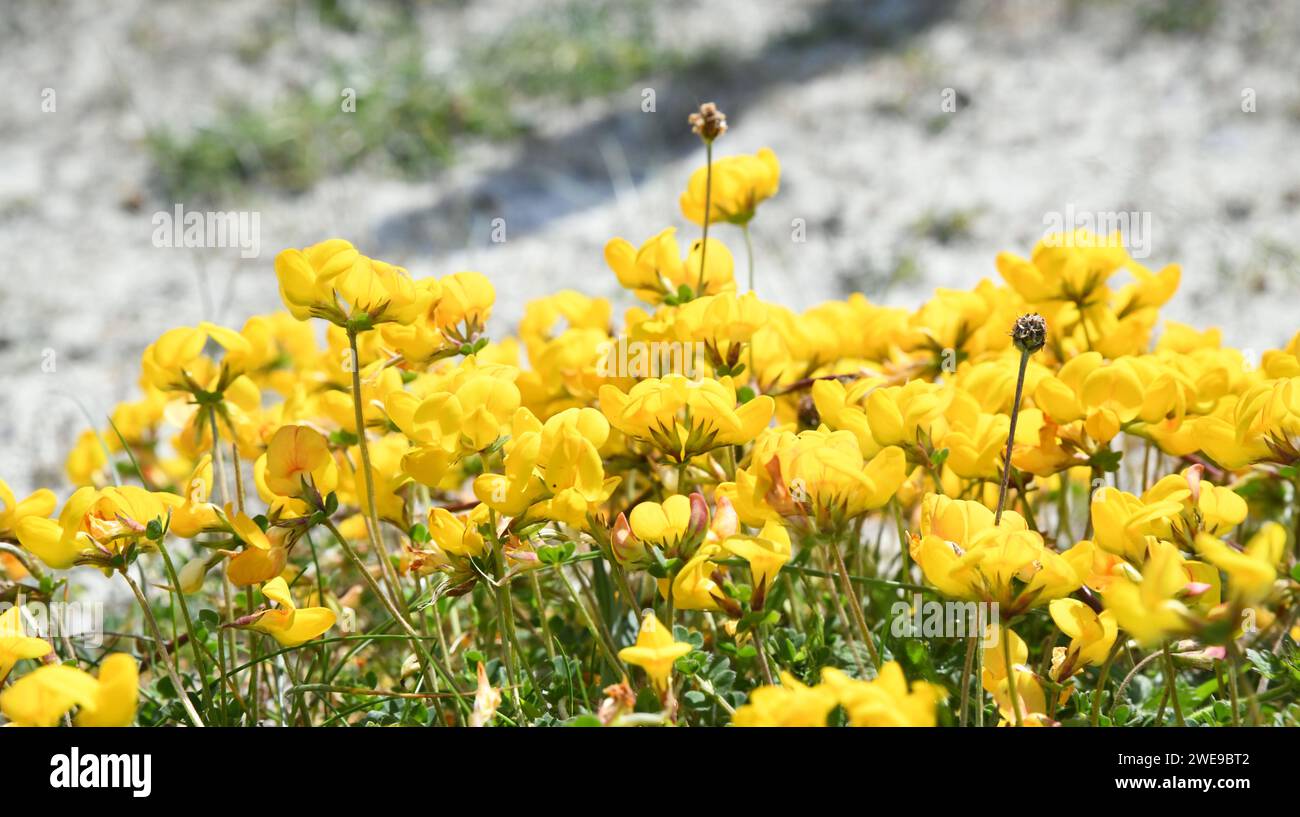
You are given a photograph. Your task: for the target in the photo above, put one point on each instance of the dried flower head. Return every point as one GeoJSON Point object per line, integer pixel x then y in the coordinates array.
{"type": "Point", "coordinates": [708, 123]}
{"type": "Point", "coordinates": [1030, 332]}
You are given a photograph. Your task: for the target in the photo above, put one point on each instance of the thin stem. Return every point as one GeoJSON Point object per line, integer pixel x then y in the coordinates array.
{"type": "Point", "coordinates": [426, 659]}
{"type": "Point", "coordinates": [708, 689]}
{"type": "Point", "coordinates": [371, 516]}
{"type": "Point", "coordinates": [965, 678]}
{"type": "Point", "coordinates": [1013, 690]}
{"type": "Point", "coordinates": [708, 199]}
{"type": "Point", "coordinates": [506, 621]}
{"type": "Point", "coordinates": [189, 623]}
{"type": "Point", "coordinates": [541, 614]}
{"type": "Point", "coordinates": [1171, 679]}
{"type": "Point", "coordinates": [1252, 704]}
{"type": "Point", "coordinates": [591, 624]}
{"type": "Point", "coordinates": [1123, 685]}
{"type": "Point", "coordinates": [161, 645]}
{"type": "Point", "coordinates": [844, 617]}
{"type": "Point", "coordinates": [749, 253]}
{"type": "Point", "coordinates": [859, 619]}
{"type": "Point", "coordinates": [1011, 437]}
{"type": "Point", "coordinates": [1101, 681]}
{"type": "Point", "coordinates": [763, 665]}
{"type": "Point", "coordinates": [226, 636]}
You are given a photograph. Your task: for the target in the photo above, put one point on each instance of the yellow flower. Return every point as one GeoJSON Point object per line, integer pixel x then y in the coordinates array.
{"type": "Point", "coordinates": [307, 276]}
{"type": "Point", "coordinates": [297, 454]}
{"type": "Point", "coordinates": [331, 280]}
{"type": "Point", "coordinates": [86, 461]}
{"type": "Point", "coordinates": [1151, 606]}
{"type": "Point", "coordinates": [739, 184]}
{"type": "Point", "coordinates": [887, 700]}
{"type": "Point", "coordinates": [43, 696]}
{"type": "Point", "coordinates": [1252, 571]}
{"type": "Point", "coordinates": [451, 533]}
{"type": "Point", "coordinates": [966, 556]}
{"type": "Point", "coordinates": [684, 417]}
{"type": "Point", "coordinates": [790, 704]}
{"type": "Point", "coordinates": [664, 525]}
{"type": "Point", "coordinates": [1091, 637]}
{"type": "Point", "coordinates": [197, 514]}
{"type": "Point", "coordinates": [1122, 523]}
{"type": "Point", "coordinates": [553, 470]}
{"type": "Point", "coordinates": [694, 588]}
{"type": "Point", "coordinates": [1104, 396]}
{"type": "Point", "coordinates": [512, 492]}
{"type": "Point", "coordinates": [288, 624]}
{"type": "Point", "coordinates": [655, 651]}
{"type": "Point", "coordinates": [14, 644]}
{"type": "Point", "coordinates": [175, 362]}
{"type": "Point", "coordinates": [1029, 696]}
{"type": "Point", "coordinates": [40, 503]}
{"type": "Point", "coordinates": [260, 560]}
{"type": "Point", "coordinates": [766, 553]}
{"type": "Point", "coordinates": [116, 696]}
{"type": "Point", "coordinates": [819, 475]}
{"type": "Point", "coordinates": [383, 292]}
{"type": "Point", "coordinates": [656, 271]}
{"type": "Point", "coordinates": [464, 305]}
{"type": "Point", "coordinates": [96, 526]}
{"type": "Point", "coordinates": [469, 410]}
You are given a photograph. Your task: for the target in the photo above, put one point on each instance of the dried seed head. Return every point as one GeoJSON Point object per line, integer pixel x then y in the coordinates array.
{"type": "Point", "coordinates": [708, 123]}
{"type": "Point", "coordinates": [1029, 333]}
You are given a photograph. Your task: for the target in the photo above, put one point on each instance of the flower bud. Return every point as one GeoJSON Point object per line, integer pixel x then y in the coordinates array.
{"type": "Point", "coordinates": [1030, 333]}
{"type": "Point", "coordinates": [628, 550]}
{"type": "Point", "coordinates": [192, 574]}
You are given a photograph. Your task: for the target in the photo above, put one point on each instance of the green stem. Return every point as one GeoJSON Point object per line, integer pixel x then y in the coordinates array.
{"type": "Point", "coordinates": [506, 621]}
{"type": "Point", "coordinates": [605, 649]}
{"type": "Point", "coordinates": [1171, 679]}
{"type": "Point", "coordinates": [426, 659]}
{"type": "Point", "coordinates": [199, 666]}
{"type": "Point", "coordinates": [855, 603]}
{"type": "Point", "coordinates": [181, 694]}
{"type": "Point", "coordinates": [1011, 437]}
{"type": "Point", "coordinates": [1101, 681]}
{"type": "Point", "coordinates": [1013, 690]}
{"type": "Point", "coordinates": [965, 678]}
{"type": "Point", "coordinates": [749, 253]}
{"type": "Point", "coordinates": [708, 199]}
{"type": "Point", "coordinates": [373, 530]}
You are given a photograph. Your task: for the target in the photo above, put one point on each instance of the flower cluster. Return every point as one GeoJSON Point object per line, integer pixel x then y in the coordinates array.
{"type": "Point", "coordinates": [513, 517]}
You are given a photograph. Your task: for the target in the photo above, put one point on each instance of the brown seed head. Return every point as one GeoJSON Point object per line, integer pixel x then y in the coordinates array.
{"type": "Point", "coordinates": [708, 123]}
{"type": "Point", "coordinates": [1029, 333]}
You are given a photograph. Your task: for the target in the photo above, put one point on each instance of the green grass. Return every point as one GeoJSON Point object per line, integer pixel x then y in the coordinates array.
{"type": "Point", "coordinates": [408, 119]}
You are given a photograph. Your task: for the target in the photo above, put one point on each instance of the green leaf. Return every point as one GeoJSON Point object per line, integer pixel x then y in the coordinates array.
{"type": "Point", "coordinates": [1106, 460]}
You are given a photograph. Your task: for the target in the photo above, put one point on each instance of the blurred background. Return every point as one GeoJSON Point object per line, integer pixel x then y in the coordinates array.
{"type": "Point", "coordinates": [535, 113]}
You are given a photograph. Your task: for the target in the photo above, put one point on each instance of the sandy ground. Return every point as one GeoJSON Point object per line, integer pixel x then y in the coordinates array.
{"type": "Point", "coordinates": [1059, 105]}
